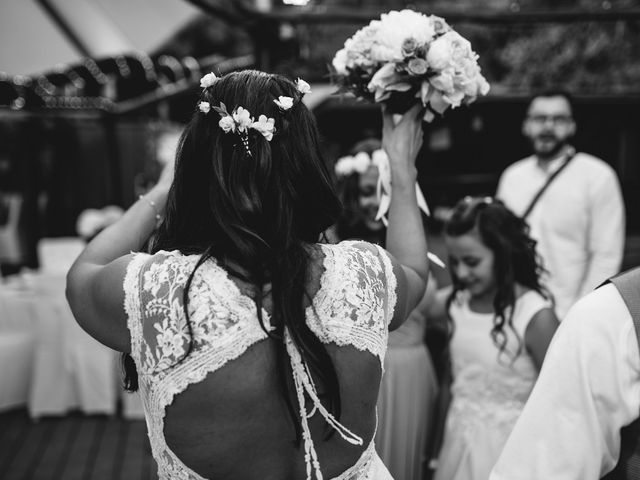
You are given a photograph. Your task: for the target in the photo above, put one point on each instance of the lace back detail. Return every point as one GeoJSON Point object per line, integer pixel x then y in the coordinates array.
{"type": "Point", "coordinates": [352, 307]}
{"type": "Point", "coordinates": [356, 299]}
{"type": "Point", "coordinates": [304, 384]}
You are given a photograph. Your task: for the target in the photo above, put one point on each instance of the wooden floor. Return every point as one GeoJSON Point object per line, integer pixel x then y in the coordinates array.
{"type": "Point", "coordinates": [74, 447]}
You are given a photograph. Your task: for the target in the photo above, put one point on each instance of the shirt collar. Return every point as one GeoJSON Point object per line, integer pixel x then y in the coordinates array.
{"type": "Point", "coordinates": [550, 166]}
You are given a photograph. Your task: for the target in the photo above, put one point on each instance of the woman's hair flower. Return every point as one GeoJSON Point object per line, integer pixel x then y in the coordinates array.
{"type": "Point", "coordinates": [204, 107]}
{"type": "Point", "coordinates": [227, 124]}
{"type": "Point", "coordinates": [285, 103]}
{"type": "Point", "coordinates": [361, 162]}
{"type": "Point", "coordinates": [265, 126]}
{"type": "Point", "coordinates": [303, 87]}
{"type": "Point", "coordinates": [208, 80]}
{"type": "Point", "coordinates": [243, 119]}
{"type": "Point", "coordinates": [239, 121]}
{"type": "Point", "coordinates": [380, 159]}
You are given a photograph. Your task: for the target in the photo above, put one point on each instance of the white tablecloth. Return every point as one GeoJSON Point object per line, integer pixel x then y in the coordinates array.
{"type": "Point", "coordinates": [46, 360]}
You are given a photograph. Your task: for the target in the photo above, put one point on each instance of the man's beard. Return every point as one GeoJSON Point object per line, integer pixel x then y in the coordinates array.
{"type": "Point", "coordinates": [553, 151]}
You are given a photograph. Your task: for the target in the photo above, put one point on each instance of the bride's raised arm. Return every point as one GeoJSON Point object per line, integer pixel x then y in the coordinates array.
{"type": "Point", "coordinates": [406, 239]}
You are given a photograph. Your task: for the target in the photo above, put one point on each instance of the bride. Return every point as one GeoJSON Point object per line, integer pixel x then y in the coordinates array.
{"type": "Point", "coordinates": [257, 350]}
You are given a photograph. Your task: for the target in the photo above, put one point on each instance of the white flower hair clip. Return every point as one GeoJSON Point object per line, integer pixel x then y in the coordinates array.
{"type": "Point", "coordinates": [360, 163]}
{"type": "Point", "coordinates": [303, 87]}
{"type": "Point", "coordinates": [285, 103]}
{"type": "Point", "coordinates": [239, 121]}
{"type": "Point", "coordinates": [208, 80]}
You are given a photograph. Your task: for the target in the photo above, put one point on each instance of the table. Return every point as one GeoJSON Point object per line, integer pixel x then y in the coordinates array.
{"type": "Point", "coordinates": [46, 360]}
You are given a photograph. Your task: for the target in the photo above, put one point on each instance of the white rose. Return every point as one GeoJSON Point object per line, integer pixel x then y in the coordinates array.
{"type": "Point", "coordinates": [450, 48]}
{"type": "Point", "coordinates": [208, 80]}
{"type": "Point", "coordinates": [382, 80]}
{"type": "Point", "coordinates": [303, 87]}
{"type": "Point", "coordinates": [454, 98]}
{"type": "Point", "coordinates": [285, 103]}
{"type": "Point", "coordinates": [443, 82]}
{"type": "Point", "coordinates": [265, 126]}
{"type": "Point", "coordinates": [384, 54]}
{"type": "Point", "coordinates": [243, 119]}
{"type": "Point", "coordinates": [439, 53]}
{"type": "Point", "coordinates": [438, 102]}
{"type": "Point", "coordinates": [396, 26]}
{"type": "Point", "coordinates": [227, 124]}
{"type": "Point", "coordinates": [380, 159]}
{"type": "Point", "coordinates": [343, 166]}
{"type": "Point", "coordinates": [204, 107]}
{"type": "Point", "coordinates": [361, 162]}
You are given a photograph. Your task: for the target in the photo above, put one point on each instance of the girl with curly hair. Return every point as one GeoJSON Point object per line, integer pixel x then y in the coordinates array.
{"type": "Point", "coordinates": [502, 321]}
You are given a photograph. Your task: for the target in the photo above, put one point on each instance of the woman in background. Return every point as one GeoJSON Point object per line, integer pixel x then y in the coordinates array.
{"type": "Point", "coordinates": [409, 386]}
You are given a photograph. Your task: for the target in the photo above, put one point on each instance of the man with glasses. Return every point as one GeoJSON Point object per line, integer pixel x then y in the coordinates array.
{"type": "Point", "coordinates": [571, 200]}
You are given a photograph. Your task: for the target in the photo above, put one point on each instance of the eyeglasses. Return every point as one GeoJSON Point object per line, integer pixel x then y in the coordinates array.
{"type": "Point", "coordinates": [561, 120]}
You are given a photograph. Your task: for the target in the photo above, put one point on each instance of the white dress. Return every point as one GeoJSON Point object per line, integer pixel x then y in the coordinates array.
{"type": "Point", "coordinates": [352, 307]}
{"type": "Point", "coordinates": [488, 393]}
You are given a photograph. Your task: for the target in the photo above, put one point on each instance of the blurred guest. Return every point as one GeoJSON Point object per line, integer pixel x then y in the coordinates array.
{"type": "Point", "coordinates": [571, 200]}
{"type": "Point", "coordinates": [409, 386]}
{"type": "Point", "coordinates": [581, 421]}
{"type": "Point", "coordinates": [502, 321]}
{"type": "Point", "coordinates": [259, 350]}
{"type": "Point", "coordinates": [92, 221]}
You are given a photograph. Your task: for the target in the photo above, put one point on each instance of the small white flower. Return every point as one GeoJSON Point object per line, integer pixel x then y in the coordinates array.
{"type": "Point", "coordinates": [343, 166]}
{"type": "Point", "coordinates": [380, 159]}
{"type": "Point", "coordinates": [243, 119]}
{"type": "Point", "coordinates": [348, 165]}
{"type": "Point", "coordinates": [303, 87]}
{"type": "Point", "coordinates": [204, 107]}
{"type": "Point", "coordinates": [361, 162]}
{"type": "Point", "coordinates": [265, 126]}
{"type": "Point", "coordinates": [227, 124]}
{"type": "Point", "coordinates": [208, 80]}
{"type": "Point", "coordinates": [285, 103]}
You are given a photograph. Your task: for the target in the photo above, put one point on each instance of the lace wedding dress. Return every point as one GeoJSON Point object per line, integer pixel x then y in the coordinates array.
{"type": "Point", "coordinates": [488, 393]}
{"type": "Point", "coordinates": [352, 307]}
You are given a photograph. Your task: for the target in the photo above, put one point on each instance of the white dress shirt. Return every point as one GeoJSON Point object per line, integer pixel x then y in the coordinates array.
{"type": "Point", "coordinates": [579, 221]}
{"type": "Point", "coordinates": [588, 388]}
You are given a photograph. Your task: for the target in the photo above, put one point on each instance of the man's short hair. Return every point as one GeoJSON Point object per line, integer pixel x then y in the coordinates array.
{"type": "Point", "coordinates": [553, 92]}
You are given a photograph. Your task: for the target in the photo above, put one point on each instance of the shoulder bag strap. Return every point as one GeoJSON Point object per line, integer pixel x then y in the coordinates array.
{"type": "Point", "coordinates": [570, 154]}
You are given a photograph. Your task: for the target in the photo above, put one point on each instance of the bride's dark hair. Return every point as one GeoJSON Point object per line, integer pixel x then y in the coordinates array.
{"type": "Point", "coordinates": [255, 213]}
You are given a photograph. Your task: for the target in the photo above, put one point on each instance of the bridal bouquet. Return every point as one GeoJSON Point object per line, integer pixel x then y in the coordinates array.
{"type": "Point", "coordinates": [407, 57]}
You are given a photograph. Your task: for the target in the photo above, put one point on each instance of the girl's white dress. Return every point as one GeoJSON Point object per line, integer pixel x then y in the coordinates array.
{"type": "Point", "coordinates": [488, 392]}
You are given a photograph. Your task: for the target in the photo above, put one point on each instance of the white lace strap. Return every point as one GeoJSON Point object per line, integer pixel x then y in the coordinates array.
{"type": "Point", "coordinates": [304, 384]}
